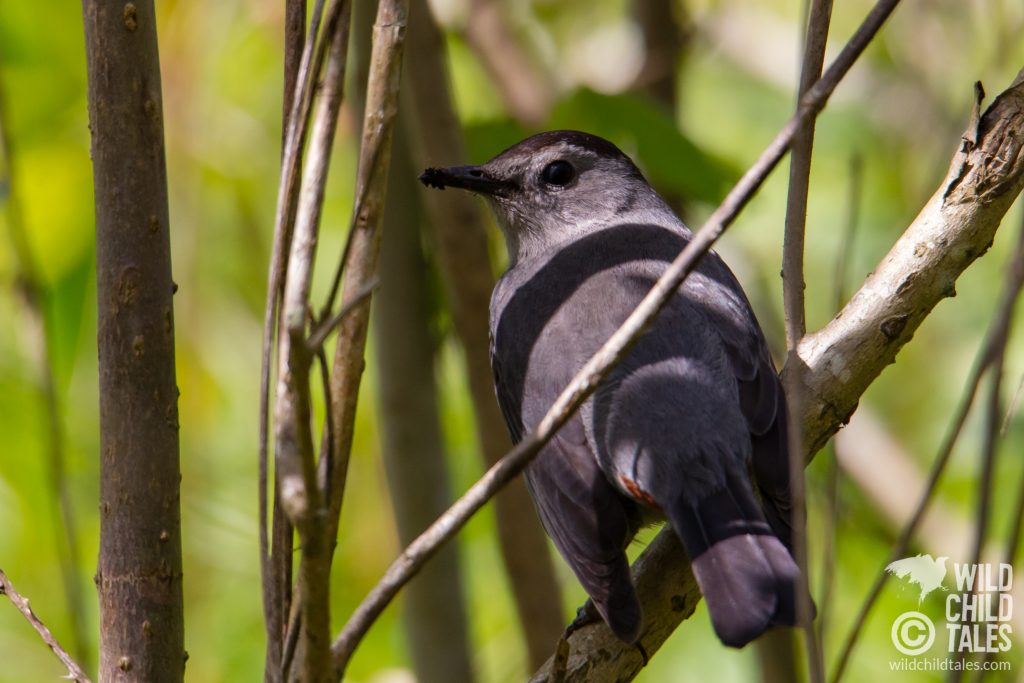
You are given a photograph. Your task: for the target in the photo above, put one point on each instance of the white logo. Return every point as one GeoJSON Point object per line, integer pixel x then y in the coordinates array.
{"type": "Point", "coordinates": [913, 633]}
{"type": "Point", "coordinates": [922, 570]}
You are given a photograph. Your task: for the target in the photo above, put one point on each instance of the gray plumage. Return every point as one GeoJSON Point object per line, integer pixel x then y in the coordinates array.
{"type": "Point", "coordinates": [684, 428]}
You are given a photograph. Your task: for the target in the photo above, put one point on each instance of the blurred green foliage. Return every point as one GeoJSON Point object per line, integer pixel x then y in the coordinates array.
{"type": "Point", "coordinates": [901, 112]}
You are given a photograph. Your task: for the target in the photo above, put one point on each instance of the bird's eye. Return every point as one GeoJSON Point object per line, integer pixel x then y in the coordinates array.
{"type": "Point", "coordinates": [558, 173]}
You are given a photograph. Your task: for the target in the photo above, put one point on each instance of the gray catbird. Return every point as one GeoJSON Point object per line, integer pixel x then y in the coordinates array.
{"type": "Point", "coordinates": [686, 427]}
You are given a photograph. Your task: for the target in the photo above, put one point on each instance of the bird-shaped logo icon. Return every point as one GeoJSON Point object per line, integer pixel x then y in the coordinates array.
{"type": "Point", "coordinates": [926, 572]}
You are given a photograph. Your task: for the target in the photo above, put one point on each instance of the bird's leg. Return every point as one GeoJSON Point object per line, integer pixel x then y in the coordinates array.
{"type": "Point", "coordinates": [585, 615]}
{"type": "Point", "coordinates": [588, 614]}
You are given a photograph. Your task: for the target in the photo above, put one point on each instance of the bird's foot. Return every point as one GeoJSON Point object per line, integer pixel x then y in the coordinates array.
{"type": "Point", "coordinates": [585, 615]}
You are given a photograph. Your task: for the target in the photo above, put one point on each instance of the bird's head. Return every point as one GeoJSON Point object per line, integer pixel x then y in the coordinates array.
{"type": "Point", "coordinates": [556, 186]}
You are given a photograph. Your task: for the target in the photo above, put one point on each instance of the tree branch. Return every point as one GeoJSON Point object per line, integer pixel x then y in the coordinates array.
{"type": "Point", "coordinates": [364, 243]}
{"type": "Point", "coordinates": [75, 672]}
{"type": "Point", "coordinates": [793, 285]}
{"type": "Point", "coordinates": [839, 362]}
{"type": "Point", "coordinates": [276, 546]}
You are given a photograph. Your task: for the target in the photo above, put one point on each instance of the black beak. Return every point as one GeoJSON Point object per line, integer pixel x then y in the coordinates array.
{"type": "Point", "coordinates": [471, 178]}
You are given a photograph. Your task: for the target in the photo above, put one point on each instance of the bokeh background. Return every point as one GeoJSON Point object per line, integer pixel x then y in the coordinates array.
{"type": "Point", "coordinates": [693, 124]}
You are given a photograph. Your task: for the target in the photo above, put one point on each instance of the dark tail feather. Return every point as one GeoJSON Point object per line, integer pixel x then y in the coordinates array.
{"type": "Point", "coordinates": [745, 573]}
{"type": "Point", "coordinates": [750, 584]}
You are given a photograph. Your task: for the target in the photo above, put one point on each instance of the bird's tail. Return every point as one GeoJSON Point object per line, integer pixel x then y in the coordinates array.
{"type": "Point", "coordinates": [748, 578]}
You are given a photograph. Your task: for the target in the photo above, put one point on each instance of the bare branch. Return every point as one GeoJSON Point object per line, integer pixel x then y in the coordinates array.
{"type": "Point", "coordinates": [294, 452]}
{"type": "Point", "coordinates": [320, 333]}
{"type": "Point", "coordinates": [139, 577]}
{"type": "Point", "coordinates": [793, 284]}
{"type": "Point", "coordinates": [957, 226]}
{"type": "Point", "coordinates": [276, 560]}
{"type": "Point", "coordinates": [75, 672]}
{"type": "Point", "coordinates": [364, 243]}
{"type": "Point", "coordinates": [584, 383]}
{"type": "Point", "coordinates": [795, 315]}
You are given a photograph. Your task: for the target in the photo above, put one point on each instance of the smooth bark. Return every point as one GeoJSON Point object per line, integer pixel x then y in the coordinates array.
{"type": "Point", "coordinates": [140, 572]}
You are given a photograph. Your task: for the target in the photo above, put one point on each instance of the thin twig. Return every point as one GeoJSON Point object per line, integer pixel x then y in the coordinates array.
{"type": "Point", "coordinates": [818, 21]}
{"type": "Point", "coordinates": [844, 255]}
{"type": "Point", "coordinates": [323, 330]}
{"type": "Point", "coordinates": [291, 637]}
{"type": "Point", "coordinates": [1012, 542]}
{"type": "Point", "coordinates": [363, 247]}
{"type": "Point", "coordinates": [294, 451]}
{"type": "Point", "coordinates": [275, 562]}
{"type": "Point", "coordinates": [587, 379]}
{"type": "Point", "coordinates": [75, 672]}
{"type": "Point", "coordinates": [329, 435]}
{"type": "Point", "coordinates": [1011, 410]}
{"type": "Point", "coordinates": [987, 354]}
{"type": "Point", "coordinates": [793, 284]}
{"type": "Point", "coordinates": [993, 414]}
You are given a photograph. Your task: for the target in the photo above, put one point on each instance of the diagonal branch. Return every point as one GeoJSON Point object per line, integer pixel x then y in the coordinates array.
{"type": "Point", "coordinates": [75, 672]}
{"type": "Point", "coordinates": [584, 383]}
{"type": "Point", "coordinates": [838, 363]}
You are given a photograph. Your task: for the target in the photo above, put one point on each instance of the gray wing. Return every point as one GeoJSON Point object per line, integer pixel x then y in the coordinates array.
{"type": "Point", "coordinates": [588, 521]}
{"type": "Point", "coordinates": [762, 399]}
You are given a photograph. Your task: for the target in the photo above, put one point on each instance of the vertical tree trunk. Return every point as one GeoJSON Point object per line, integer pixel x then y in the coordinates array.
{"type": "Point", "coordinates": [460, 231]}
{"type": "Point", "coordinates": [139, 577]}
{"type": "Point", "coordinates": [413, 448]}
